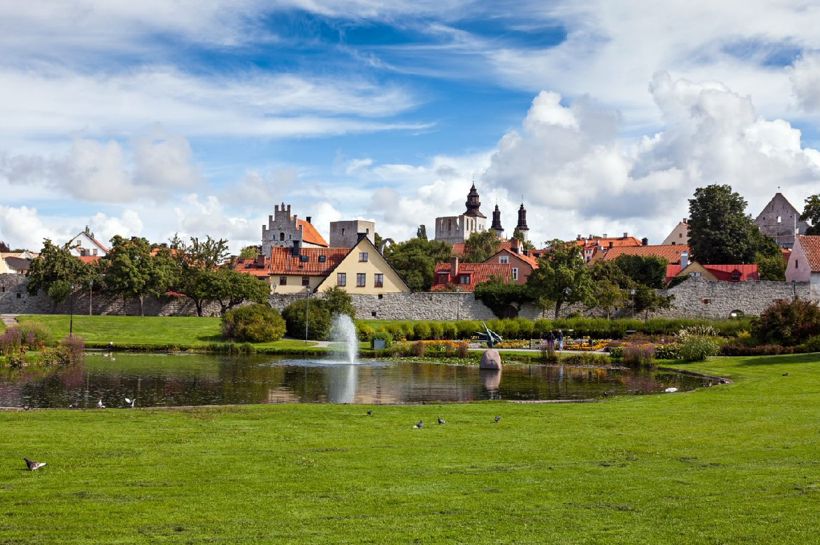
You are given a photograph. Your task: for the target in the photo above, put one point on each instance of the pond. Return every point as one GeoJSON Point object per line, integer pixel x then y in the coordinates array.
{"type": "Point", "coordinates": [158, 380]}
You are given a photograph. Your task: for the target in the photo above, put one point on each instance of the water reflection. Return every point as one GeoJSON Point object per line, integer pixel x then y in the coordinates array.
{"type": "Point", "coordinates": [175, 380]}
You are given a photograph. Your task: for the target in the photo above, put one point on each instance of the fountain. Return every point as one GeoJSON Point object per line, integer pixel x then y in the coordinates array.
{"type": "Point", "coordinates": [344, 333]}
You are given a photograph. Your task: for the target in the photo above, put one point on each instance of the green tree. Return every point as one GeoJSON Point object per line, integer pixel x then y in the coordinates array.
{"type": "Point", "coordinates": [811, 214]}
{"type": "Point", "coordinates": [608, 296]}
{"type": "Point", "coordinates": [561, 277]}
{"type": "Point", "coordinates": [481, 246]}
{"type": "Point", "coordinates": [249, 252]}
{"type": "Point", "coordinates": [198, 262]}
{"type": "Point", "coordinates": [519, 236]}
{"type": "Point", "coordinates": [128, 270]}
{"type": "Point", "coordinates": [317, 316]}
{"type": "Point", "coordinates": [646, 299]}
{"type": "Point", "coordinates": [415, 261]}
{"type": "Point", "coordinates": [647, 270]}
{"type": "Point", "coordinates": [338, 301]}
{"type": "Point", "coordinates": [255, 323]}
{"type": "Point", "coordinates": [503, 298]}
{"type": "Point", "coordinates": [57, 272]}
{"type": "Point", "coordinates": [771, 267]}
{"type": "Point", "coordinates": [229, 288]}
{"type": "Point", "coordinates": [720, 232]}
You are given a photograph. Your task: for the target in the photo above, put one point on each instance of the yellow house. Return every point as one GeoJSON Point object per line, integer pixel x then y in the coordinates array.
{"type": "Point", "coordinates": [359, 270]}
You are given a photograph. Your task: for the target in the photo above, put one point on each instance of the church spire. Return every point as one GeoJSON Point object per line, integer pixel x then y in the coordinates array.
{"type": "Point", "coordinates": [496, 226]}
{"type": "Point", "coordinates": [473, 203]}
{"type": "Point", "coordinates": [522, 221]}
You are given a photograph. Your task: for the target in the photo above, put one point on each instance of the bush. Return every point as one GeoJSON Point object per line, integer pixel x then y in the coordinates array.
{"type": "Point", "coordinates": [811, 345]}
{"type": "Point", "coordinates": [585, 358]}
{"type": "Point", "coordinates": [11, 342]}
{"type": "Point", "coordinates": [436, 331]}
{"type": "Point", "coordinates": [35, 335]}
{"type": "Point", "coordinates": [71, 350]}
{"type": "Point", "coordinates": [669, 351]}
{"type": "Point", "coordinates": [318, 318]}
{"type": "Point", "coordinates": [364, 332]}
{"type": "Point", "coordinates": [337, 301]}
{"type": "Point", "coordinates": [449, 331]}
{"type": "Point", "coordinates": [419, 350]}
{"type": "Point", "coordinates": [463, 350]}
{"type": "Point", "coordinates": [421, 331]}
{"type": "Point", "coordinates": [255, 323]}
{"type": "Point", "coordinates": [698, 348]}
{"type": "Point", "coordinates": [737, 349]}
{"type": "Point", "coordinates": [788, 322]}
{"type": "Point", "coordinates": [639, 355]}
{"type": "Point", "coordinates": [384, 336]}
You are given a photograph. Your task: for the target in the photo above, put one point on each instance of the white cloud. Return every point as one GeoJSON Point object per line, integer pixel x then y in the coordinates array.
{"type": "Point", "coordinates": [21, 227]}
{"type": "Point", "coordinates": [805, 78]}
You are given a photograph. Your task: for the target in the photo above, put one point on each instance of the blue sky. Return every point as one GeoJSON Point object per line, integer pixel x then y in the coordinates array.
{"type": "Point", "coordinates": [192, 118]}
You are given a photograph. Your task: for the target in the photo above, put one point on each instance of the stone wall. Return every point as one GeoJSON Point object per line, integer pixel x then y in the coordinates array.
{"type": "Point", "coordinates": [701, 298]}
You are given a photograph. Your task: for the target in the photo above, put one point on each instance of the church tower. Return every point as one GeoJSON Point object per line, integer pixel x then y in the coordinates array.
{"type": "Point", "coordinates": [496, 226]}
{"type": "Point", "coordinates": [522, 222]}
{"type": "Point", "coordinates": [457, 229]}
{"type": "Point", "coordinates": [473, 204]}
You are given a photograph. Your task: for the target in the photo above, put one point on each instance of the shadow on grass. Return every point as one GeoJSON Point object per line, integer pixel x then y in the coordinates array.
{"type": "Point", "coordinates": [811, 357]}
{"type": "Point", "coordinates": [211, 339]}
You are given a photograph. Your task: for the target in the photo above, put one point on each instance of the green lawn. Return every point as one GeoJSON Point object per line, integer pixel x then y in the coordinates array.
{"type": "Point", "coordinates": [150, 331]}
{"type": "Point", "coordinates": [729, 464]}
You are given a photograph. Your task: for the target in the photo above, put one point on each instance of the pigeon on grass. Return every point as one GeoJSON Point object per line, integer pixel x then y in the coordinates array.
{"type": "Point", "coordinates": [419, 425]}
{"type": "Point", "coordinates": [32, 465]}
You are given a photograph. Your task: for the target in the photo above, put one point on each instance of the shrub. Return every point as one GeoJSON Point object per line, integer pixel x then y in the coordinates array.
{"type": "Point", "coordinates": [318, 319]}
{"type": "Point", "coordinates": [463, 349]}
{"type": "Point", "coordinates": [698, 348]}
{"type": "Point", "coordinates": [811, 345]}
{"type": "Point", "coordinates": [384, 336]}
{"type": "Point", "coordinates": [364, 332]}
{"type": "Point", "coordinates": [337, 301]}
{"type": "Point", "coordinates": [669, 351]}
{"type": "Point", "coordinates": [737, 349]}
{"type": "Point", "coordinates": [436, 331]}
{"type": "Point", "coordinates": [585, 358]}
{"type": "Point", "coordinates": [419, 350]}
{"type": "Point", "coordinates": [639, 355]}
{"type": "Point", "coordinates": [71, 350]}
{"type": "Point", "coordinates": [449, 331]}
{"type": "Point", "coordinates": [35, 335]}
{"type": "Point", "coordinates": [253, 323]}
{"type": "Point", "coordinates": [421, 331]}
{"type": "Point", "coordinates": [616, 352]}
{"type": "Point", "coordinates": [788, 322]}
{"type": "Point", "coordinates": [11, 342]}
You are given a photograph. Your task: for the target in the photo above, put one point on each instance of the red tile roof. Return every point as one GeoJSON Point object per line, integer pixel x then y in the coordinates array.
{"type": "Point", "coordinates": [283, 262]}
{"type": "Point", "coordinates": [669, 252]}
{"type": "Point", "coordinates": [607, 242]}
{"type": "Point", "coordinates": [724, 273]}
{"type": "Point", "coordinates": [88, 259]}
{"type": "Point", "coordinates": [529, 260]}
{"type": "Point", "coordinates": [477, 273]}
{"type": "Point", "coordinates": [811, 247]}
{"type": "Point", "coordinates": [310, 234]}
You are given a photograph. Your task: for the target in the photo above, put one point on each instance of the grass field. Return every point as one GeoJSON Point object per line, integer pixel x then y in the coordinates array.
{"type": "Point", "coordinates": [146, 332]}
{"type": "Point", "coordinates": [730, 464]}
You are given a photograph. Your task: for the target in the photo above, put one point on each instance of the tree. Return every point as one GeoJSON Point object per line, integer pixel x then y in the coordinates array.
{"type": "Point", "coordinates": [481, 246]}
{"type": "Point", "coordinates": [788, 322]}
{"type": "Point", "coordinates": [646, 270]}
{"type": "Point", "coordinates": [317, 315]}
{"type": "Point", "coordinates": [519, 236]}
{"type": "Point", "coordinates": [230, 288]}
{"type": "Point", "coordinates": [253, 323]}
{"type": "Point", "coordinates": [421, 232]}
{"type": "Point", "coordinates": [771, 267]}
{"type": "Point", "coordinates": [811, 214]}
{"type": "Point", "coordinates": [198, 262]}
{"type": "Point", "coordinates": [249, 252]}
{"type": "Point", "coordinates": [503, 298]}
{"type": "Point", "coordinates": [56, 272]}
{"type": "Point", "coordinates": [4, 247]}
{"type": "Point", "coordinates": [608, 296]}
{"type": "Point", "coordinates": [646, 300]}
{"type": "Point", "coordinates": [719, 230]}
{"type": "Point", "coordinates": [128, 270]}
{"type": "Point", "coordinates": [415, 261]}
{"type": "Point", "coordinates": [338, 301]}
{"type": "Point", "coordinates": [561, 277]}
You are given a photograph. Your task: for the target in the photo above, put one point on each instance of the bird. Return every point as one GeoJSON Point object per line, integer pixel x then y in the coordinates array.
{"type": "Point", "coordinates": [671, 390]}
{"type": "Point", "coordinates": [419, 425]}
{"type": "Point", "coordinates": [785, 374]}
{"type": "Point", "coordinates": [497, 419]}
{"type": "Point", "coordinates": [131, 402]}
{"type": "Point", "coordinates": [606, 393]}
{"type": "Point", "coordinates": [441, 421]}
{"type": "Point", "coordinates": [32, 465]}
{"type": "Point", "coordinates": [26, 407]}
{"type": "Point", "coordinates": [100, 404]}
{"type": "Point", "coordinates": [369, 412]}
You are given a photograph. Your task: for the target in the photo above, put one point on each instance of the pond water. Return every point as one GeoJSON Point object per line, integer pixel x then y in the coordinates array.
{"type": "Point", "coordinates": [180, 380]}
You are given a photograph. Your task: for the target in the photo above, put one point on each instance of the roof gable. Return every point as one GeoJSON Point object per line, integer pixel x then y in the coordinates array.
{"type": "Point", "coordinates": [310, 234]}
{"type": "Point", "coordinates": [670, 252]}
{"type": "Point", "coordinates": [374, 257]}
{"type": "Point", "coordinates": [811, 249]}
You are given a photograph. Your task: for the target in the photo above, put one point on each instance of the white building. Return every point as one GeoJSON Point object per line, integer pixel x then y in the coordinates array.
{"type": "Point", "coordinates": [804, 263]}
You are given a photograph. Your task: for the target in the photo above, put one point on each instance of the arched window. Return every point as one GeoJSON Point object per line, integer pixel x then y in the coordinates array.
{"type": "Point", "coordinates": [281, 236]}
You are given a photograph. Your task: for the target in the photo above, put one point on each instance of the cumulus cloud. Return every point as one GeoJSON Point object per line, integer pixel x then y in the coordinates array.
{"type": "Point", "coordinates": [805, 79]}
{"type": "Point", "coordinates": [22, 227]}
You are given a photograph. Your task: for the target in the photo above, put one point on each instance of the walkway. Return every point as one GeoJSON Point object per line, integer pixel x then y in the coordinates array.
{"type": "Point", "coordinates": [9, 320]}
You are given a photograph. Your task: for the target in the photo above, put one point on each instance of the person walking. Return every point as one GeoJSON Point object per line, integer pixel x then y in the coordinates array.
{"type": "Point", "coordinates": [560, 339]}
{"type": "Point", "coordinates": [551, 340]}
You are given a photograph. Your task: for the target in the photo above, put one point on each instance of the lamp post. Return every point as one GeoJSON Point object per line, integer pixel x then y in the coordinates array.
{"type": "Point", "coordinates": [90, 296]}
{"type": "Point", "coordinates": [71, 311]}
{"type": "Point", "coordinates": [307, 306]}
{"type": "Point", "coordinates": [632, 295]}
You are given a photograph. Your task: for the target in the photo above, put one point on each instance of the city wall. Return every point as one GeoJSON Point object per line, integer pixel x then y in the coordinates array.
{"type": "Point", "coordinates": [692, 298]}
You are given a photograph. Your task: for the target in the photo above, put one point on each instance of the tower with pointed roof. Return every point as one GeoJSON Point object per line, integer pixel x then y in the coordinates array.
{"type": "Point", "coordinates": [496, 226]}
{"type": "Point", "coordinates": [522, 222]}
{"type": "Point", "coordinates": [455, 229]}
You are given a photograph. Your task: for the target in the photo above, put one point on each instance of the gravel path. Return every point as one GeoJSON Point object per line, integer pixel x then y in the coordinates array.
{"type": "Point", "coordinates": [9, 320]}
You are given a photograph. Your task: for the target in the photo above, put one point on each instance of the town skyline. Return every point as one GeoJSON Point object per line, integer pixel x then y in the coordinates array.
{"type": "Point", "coordinates": [144, 122]}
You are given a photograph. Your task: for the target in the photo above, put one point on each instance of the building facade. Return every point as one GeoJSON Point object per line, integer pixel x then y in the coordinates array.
{"type": "Point", "coordinates": [345, 234]}
{"type": "Point", "coordinates": [284, 228]}
{"type": "Point", "coordinates": [679, 235]}
{"type": "Point", "coordinates": [804, 263]}
{"type": "Point", "coordinates": [85, 245]}
{"type": "Point", "coordinates": [781, 221]}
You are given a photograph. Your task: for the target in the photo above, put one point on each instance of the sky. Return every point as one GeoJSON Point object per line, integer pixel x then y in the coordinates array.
{"type": "Point", "coordinates": [193, 117]}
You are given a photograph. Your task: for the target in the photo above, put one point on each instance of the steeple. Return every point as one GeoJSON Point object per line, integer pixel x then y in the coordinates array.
{"type": "Point", "coordinates": [496, 226]}
{"type": "Point", "coordinates": [473, 204]}
{"type": "Point", "coordinates": [522, 221]}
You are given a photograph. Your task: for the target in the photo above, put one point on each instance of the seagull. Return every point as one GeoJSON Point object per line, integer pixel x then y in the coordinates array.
{"type": "Point", "coordinates": [369, 412]}
{"type": "Point", "coordinates": [419, 425]}
{"type": "Point", "coordinates": [26, 407]}
{"type": "Point", "coordinates": [100, 404]}
{"type": "Point", "coordinates": [497, 419]}
{"type": "Point", "coordinates": [32, 465]}
{"type": "Point", "coordinates": [671, 390]}
{"type": "Point", "coordinates": [442, 421]}
{"type": "Point", "coordinates": [130, 402]}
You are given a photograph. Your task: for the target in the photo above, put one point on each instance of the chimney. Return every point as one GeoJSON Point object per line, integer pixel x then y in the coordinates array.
{"type": "Point", "coordinates": [684, 260]}
{"type": "Point", "coordinates": [515, 246]}
{"type": "Point", "coordinates": [644, 241]}
{"type": "Point", "coordinates": [626, 235]}
{"type": "Point", "coordinates": [454, 267]}
{"type": "Point", "coordinates": [294, 251]}
{"type": "Point", "coordinates": [307, 219]}
{"type": "Point", "coordinates": [260, 260]}
{"type": "Point", "coordinates": [605, 236]}
{"type": "Point", "coordinates": [578, 237]}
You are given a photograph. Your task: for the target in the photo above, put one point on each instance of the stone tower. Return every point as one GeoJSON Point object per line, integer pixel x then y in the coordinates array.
{"type": "Point", "coordinates": [473, 204]}
{"type": "Point", "coordinates": [522, 222]}
{"type": "Point", "coordinates": [781, 221]}
{"type": "Point", "coordinates": [456, 229]}
{"type": "Point", "coordinates": [496, 226]}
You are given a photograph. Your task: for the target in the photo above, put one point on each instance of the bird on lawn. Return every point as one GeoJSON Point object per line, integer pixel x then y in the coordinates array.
{"type": "Point", "coordinates": [671, 390]}
{"type": "Point", "coordinates": [497, 419]}
{"type": "Point", "coordinates": [131, 402]}
{"type": "Point", "coordinates": [419, 425]}
{"type": "Point", "coordinates": [32, 465]}
{"type": "Point", "coordinates": [100, 404]}
{"type": "Point", "coordinates": [369, 412]}
{"type": "Point", "coordinates": [785, 374]}
{"type": "Point", "coordinates": [442, 421]}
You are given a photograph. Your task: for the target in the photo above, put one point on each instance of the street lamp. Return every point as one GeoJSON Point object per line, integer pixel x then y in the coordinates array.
{"type": "Point", "coordinates": [90, 296]}
{"type": "Point", "coordinates": [307, 306]}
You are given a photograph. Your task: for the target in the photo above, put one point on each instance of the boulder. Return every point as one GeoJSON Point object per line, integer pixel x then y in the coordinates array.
{"type": "Point", "coordinates": [491, 359]}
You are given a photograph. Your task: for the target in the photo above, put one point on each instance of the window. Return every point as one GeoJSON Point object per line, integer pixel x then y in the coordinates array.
{"type": "Point", "coordinates": [281, 236]}
{"type": "Point", "coordinates": [464, 279]}
{"type": "Point", "coordinates": [19, 295]}
{"type": "Point", "coordinates": [341, 279]}
{"type": "Point", "coordinates": [361, 280]}
{"type": "Point", "coordinates": [515, 273]}
{"type": "Point", "coordinates": [303, 258]}
{"type": "Point", "coordinates": [373, 313]}
{"type": "Point", "coordinates": [378, 280]}
{"type": "Point", "coordinates": [779, 219]}
{"type": "Point", "coordinates": [362, 257]}
{"type": "Point", "coordinates": [322, 258]}
{"type": "Point", "coordinates": [283, 280]}
{"type": "Point", "coordinates": [503, 259]}
{"type": "Point", "coordinates": [796, 263]}
{"type": "Point", "coordinates": [306, 281]}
